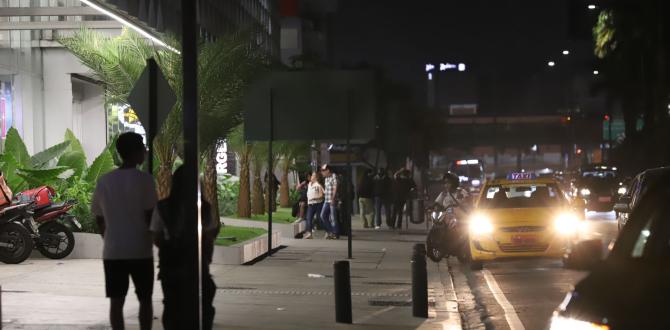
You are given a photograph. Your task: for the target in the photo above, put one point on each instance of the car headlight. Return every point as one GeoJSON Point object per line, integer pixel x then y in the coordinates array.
{"type": "Point", "coordinates": [436, 215]}
{"type": "Point", "coordinates": [566, 223]}
{"type": "Point", "coordinates": [480, 225]}
{"type": "Point", "coordinates": [559, 322]}
{"type": "Point", "coordinates": [476, 182]}
{"type": "Point", "coordinates": [622, 191]}
{"type": "Point", "coordinates": [585, 192]}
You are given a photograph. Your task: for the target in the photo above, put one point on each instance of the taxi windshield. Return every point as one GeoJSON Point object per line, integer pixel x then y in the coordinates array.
{"type": "Point", "coordinates": [521, 196]}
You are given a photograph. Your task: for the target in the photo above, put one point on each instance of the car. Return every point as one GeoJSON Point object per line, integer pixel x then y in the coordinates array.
{"type": "Point", "coordinates": [629, 289]}
{"type": "Point", "coordinates": [522, 216]}
{"type": "Point", "coordinates": [598, 185]}
{"type": "Point", "coordinates": [470, 173]}
{"type": "Point", "coordinates": [633, 192]}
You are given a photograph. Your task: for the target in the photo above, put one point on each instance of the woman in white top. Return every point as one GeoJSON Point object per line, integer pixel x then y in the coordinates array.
{"type": "Point", "coordinates": [315, 197]}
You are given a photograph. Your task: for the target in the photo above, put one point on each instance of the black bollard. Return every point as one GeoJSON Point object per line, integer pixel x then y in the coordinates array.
{"type": "Point", "coordinates": [342, 292]}
{"type": "Point", "coordinates": [419, 282]}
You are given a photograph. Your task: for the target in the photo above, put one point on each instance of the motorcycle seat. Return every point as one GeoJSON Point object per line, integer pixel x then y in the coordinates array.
{"type": "Point", "coordinates": [50, 208]}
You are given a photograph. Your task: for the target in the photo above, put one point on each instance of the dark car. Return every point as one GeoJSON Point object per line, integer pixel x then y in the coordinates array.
{"type": "Point", "coordinates": [598, 185]}
{"type": "Point", "coordinates": [634, 191]}
{"type": "Point", "coordinates": [630, 289]}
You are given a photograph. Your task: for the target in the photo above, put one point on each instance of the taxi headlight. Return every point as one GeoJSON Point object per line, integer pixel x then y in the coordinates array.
{"type": "Point", "coordinates": [559, 322]}
{"type": "Point", "coordinates": [566, 223]}
{"type": "Point", "coordinates": [622, 191]}
{"type": "Point", "coordinates": [480, 224]}
{"type": "Point", "coordinates": [476, 182]}
{"type": "Point", "coordinates": [585, 192]}
{"type": "Point", "coordinates": [436, 215]}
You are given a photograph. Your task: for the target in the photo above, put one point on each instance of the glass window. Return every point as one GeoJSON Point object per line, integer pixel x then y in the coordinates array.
{"type": "Point", "coordinates": [522, 196]}
{"type": "Point", "coordinates": [642, 239]}
{"type": "Point", "coordinates": [120, 119]}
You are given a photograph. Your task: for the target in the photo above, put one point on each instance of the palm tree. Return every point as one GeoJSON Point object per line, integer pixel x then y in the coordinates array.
{"type": "Point", "coordinates": [243, 150]}
{"type": "Point", "coordinates": [258, 161]}
{"type": "Point", "coordinates": [226, 66]}
{"type": "Point", "coordinates": [289, 151]}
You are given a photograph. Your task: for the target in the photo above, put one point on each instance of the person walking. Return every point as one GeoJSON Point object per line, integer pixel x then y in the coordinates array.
{"type": "Point", "coordinates": [366, 198]}
{"type": "Point", "coordinates": [315, 199]}
{"type": "Point", "coordinates": [302, 188]}
{"type": "Point", "coordinates": [329, 210]}
{"type": "Point", "coordinates": [122, 204]}
{"type": "Point", "coordinates": [167, 226]}
{"type": "Point", "coordinates": [402, 187]}
{"type": "Point", "coordinates": [382, 192]}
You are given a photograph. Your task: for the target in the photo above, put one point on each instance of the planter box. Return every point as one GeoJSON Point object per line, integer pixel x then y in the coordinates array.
{"type": "Point", "coordinates": [246, 251]}
{"type": "Point", "coordinates": [287, 230]}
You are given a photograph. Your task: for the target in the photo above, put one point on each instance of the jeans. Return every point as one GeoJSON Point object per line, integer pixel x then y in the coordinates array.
{"type": "Point", "coordinates": [329, 218]}
{"type": "Point", "coordinates": [379, 203]}
{"type": "Point", "coordinates": [398, 207]}
{"type": "Point", "coordinates": [367, 209]}
{"type": "Point", "coordinates": [313, 210]}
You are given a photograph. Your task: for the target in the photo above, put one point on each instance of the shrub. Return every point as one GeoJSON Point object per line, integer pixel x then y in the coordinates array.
{"type": "Point", "coordinates": [229, 190]}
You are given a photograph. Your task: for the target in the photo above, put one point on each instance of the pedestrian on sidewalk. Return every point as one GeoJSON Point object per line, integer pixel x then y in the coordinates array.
{"type": "Point", "coordinates": [382, 193]}
{"type": "Point", "coordinates": [402, 188]}
{"type": "Point", "coordinates": [315, 199]}
{"type": "Point", "coordinates": [329, 210]}
{"type": "Point", "coordinates": [167, 226]}
{"type": "Point", "coordinates": [302, 188]}
{"type": "Point", "coordinates": [122, 204]}
{"type": "Point", "coordinates": [366, 198]}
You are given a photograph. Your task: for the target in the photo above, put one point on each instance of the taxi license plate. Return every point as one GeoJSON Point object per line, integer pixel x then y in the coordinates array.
{"type": "Point", "coordinates": [524, 239]}
{"type": "Point", "coordinates": [605, 199]}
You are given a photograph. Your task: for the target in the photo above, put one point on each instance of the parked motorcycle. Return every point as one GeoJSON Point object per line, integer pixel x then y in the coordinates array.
{"type": "Point", "coordinates": [16, 242]}
{"type": "Point", "coordinates": [50, 224]}
{"type": "Point", "coordinates": [447, 235]}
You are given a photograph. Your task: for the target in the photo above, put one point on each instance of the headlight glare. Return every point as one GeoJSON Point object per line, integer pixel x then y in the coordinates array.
{"type": "Point", "coordinates": [566, 223]}
{"type": "Point", "coordinates": [559, 322]}
{"type": "Point", "coordinates": [476, 182]}
{"type": "Point", "coordinates": [585, 192]}
{"type": "Point", "coordinates": [480, 225]}
{"type": "Point", "coordinates": [622, 191]}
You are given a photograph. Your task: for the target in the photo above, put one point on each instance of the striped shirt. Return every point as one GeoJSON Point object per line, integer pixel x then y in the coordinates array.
{"type": "Point", "coordinates": [331, 185]}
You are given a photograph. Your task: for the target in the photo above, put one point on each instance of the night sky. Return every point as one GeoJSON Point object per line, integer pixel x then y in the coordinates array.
{"type": "Point", "coordinates": [506, 44]}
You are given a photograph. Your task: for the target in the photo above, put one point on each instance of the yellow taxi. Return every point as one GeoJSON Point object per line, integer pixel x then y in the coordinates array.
{"type": "Point", "coordinates": [522, 216]}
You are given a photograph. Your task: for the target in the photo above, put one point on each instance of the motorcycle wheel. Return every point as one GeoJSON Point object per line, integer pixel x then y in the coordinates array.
{"type": "Point", "coordinates": [433, 250]}
{"type": "Point", "coordinates": [56, 240]}
{"type": "Point", "coordinates": [22, 244]}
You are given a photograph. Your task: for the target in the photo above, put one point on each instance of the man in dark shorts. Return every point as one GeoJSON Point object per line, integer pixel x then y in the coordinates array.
{"type": "Point", "coordinates": [122, 204]}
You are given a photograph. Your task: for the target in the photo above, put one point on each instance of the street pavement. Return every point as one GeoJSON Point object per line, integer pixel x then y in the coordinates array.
{"type": "Point", "coordinates": [290, 290]}
{"type": "Point", "coordinates": [293, 289]}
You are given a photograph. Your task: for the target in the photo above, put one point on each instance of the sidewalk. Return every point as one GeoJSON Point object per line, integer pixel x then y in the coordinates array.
{"type": "Point", "coordinates": [275, 293]}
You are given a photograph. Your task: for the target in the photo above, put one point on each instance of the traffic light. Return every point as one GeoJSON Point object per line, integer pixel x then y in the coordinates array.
{"type": "Point", "coordinates": [606, 118]}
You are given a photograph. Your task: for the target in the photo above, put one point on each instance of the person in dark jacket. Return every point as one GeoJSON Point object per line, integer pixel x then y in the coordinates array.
{"type": "Point", "coordinates": [366, 197]}
{"type": "Point", "coordinates": [402, 188]}
{"type": "Point", "coordinates": [382, 193]}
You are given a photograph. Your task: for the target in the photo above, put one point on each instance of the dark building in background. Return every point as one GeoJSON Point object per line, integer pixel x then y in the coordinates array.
{"type": "Point", "coordinates": [306, 26]}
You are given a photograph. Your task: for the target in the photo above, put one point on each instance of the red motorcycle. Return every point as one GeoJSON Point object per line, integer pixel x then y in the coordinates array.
{"type": "Point", "coordinates": [50, 224]}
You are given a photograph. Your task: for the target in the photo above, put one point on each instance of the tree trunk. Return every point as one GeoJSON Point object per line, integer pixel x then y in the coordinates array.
{"type": "Point", "coordinates": [284, 190]}
{"type": "Point", "coordinates": [164, 181]}
{"type": "Point", "coordinates": [257, 200]}
{"type": "Point", "coordinates": [165, 155]}
{"type": "Point", "coordinates": [244, 198]}
{"type": "Point", "coordinates": [210, 188]}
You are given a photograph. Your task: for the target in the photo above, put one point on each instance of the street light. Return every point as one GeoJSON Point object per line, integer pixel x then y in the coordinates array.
{"type": "Point", "coordinates": [551, 63]}
{"type": "Point", "coordinates": [566, 52]}
{"type": "Point", "coordinates": [596, 72]}
{"type": "Point", "coordinates": [592, 7]}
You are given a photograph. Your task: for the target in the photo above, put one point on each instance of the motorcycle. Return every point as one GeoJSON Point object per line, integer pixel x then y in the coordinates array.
{"type": "Point", "coordinates": [49, 224]}
{"type": "Point", "coordinates": [16, 242]}
{"type": "Point", "coordinates": [447, 235]}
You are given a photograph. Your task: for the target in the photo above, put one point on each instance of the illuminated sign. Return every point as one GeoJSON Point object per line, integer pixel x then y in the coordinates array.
{"type": "Point", "coordinates": [222, 157]}
{"type": "Point", "coordinates": [521, 176]}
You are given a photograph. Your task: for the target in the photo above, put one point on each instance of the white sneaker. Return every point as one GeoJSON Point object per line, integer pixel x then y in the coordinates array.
{"type": "Point", "coordinates": [327, 235]}
{"type": "Point", "coordinates": [377, 227]}
{"type": "Point", "coordinates": [307, 236]}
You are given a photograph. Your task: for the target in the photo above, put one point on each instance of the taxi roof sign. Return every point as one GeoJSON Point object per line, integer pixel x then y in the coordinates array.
{"type": "Point", "coordinates": [522, 176]}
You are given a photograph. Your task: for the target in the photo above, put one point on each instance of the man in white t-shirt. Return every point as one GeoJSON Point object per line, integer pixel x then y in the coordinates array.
{"type": "Point", "coordinates": [122, 204]}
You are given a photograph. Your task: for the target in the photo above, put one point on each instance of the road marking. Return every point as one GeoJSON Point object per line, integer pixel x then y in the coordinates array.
{"type": "Point", "coordinates": [510, 313]}
{"type": "Point", "coordinates": [373, 315]}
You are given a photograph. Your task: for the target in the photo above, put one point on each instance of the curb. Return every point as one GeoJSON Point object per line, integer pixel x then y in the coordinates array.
{"type": "Point", "coordinates": [244, 252]}
{"type": "Point", "coordinates": [287, 230]}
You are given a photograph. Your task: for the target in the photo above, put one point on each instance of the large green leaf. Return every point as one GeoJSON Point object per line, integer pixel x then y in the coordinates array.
{"type": "Point", "coordinates": [75, 145]}
{"type": "Point", "coordinates": [42, 159]}
{"type": "Point", "coordinates": [41, 177]}
{"type": "Point", "coordinates": [111, 147]}
{"type": "Point", "coordinates": [14, 146]}
{"type": "Point", "coordinates": [101, 165]}
{"type": "Point", "coordinates": [75, 160]}
{"type": "Point", "coordinates": [9, 167]}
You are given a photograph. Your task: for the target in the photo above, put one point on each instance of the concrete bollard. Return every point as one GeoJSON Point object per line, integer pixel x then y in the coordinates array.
{"type": "Point", "coordinates": [342, 292]}
{"type": "Point", "coordinates": [419, 282]}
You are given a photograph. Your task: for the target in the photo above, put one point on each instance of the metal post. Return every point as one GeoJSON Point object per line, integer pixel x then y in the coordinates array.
{"type": "Point", "coordinates": [153, 112]}
{"type": "Point", "coordinates": [270, 172]}
{"type": "Point", "coordinates": [347, 192]}
{"type": "Point", "coordinates": [609, 138]}
{"type": "Point", "coordinates": [419, 282]}
{"type": "Point", "coordinates": [192, 188]}
{"type": "Point", "coordinates": [342, 279]}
